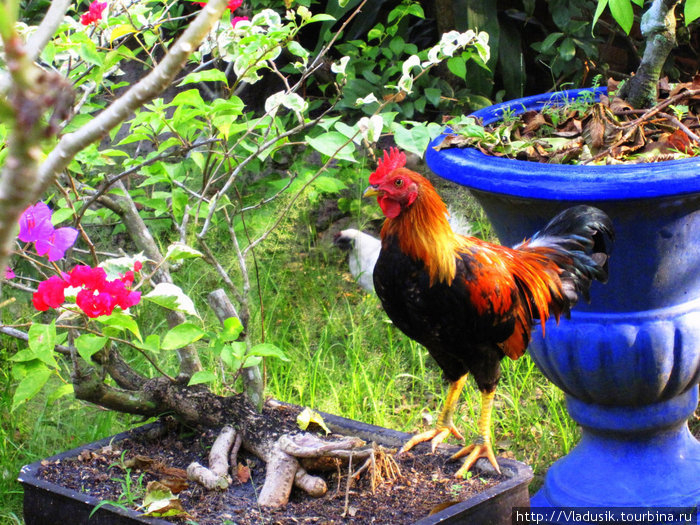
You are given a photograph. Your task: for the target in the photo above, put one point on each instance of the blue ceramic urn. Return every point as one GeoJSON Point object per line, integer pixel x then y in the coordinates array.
{"type": "Point", "coordinates": [628, 362]}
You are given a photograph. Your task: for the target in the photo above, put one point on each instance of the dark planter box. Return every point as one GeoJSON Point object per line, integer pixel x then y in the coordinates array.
{"type": "Point", "coordinates": [48, 504]}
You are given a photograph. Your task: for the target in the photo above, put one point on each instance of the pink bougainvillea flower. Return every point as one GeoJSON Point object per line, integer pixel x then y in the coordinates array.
{"type": "Point", "coordinates": [50, 293]}
{"type": "Point", "coordinates": [137, 266]}
{"type": "Point", "coordinates": [94, 14]}
{"type": "Point", "coordinates": [35, 226]}
{"type": "Point", "coordinates": [9, 273]}
{"type": "Point", "coordinates": [232, 4]}
{"type": "Point", "coordinates": [35, 223]}
{"type": "Point", "coordinates": [121, 293]}
{"type": "Point", "coordinates": [93, 278]}
{"type": "Point", "coordinates": [127, 278]}
{"type": "Point", "coordinates": [237, 19]}
{"type": "Point", "coordinates": [97, 296]}
{"type": "Point", "coordinates": [94, 303]}
{"type": "Point", "coordinates": [56, 243]}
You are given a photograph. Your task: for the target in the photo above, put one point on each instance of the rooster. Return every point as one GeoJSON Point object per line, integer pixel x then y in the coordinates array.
{"type": "Point", "coordinates": [471, 302]}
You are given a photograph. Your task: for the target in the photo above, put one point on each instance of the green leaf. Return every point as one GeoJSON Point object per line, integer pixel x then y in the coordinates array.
{"type": "Point", "coordinates": [433, 95]}
{"type": "Point", "coordinates": [24, 355]}
{"type": "Point", "coordinates": [61, 215]}
{"type": "Point", "coordinates": [42, 340]}
{"type": "Point", "coordinates": [57, 393]}
{"type": "Point", "coordinates": [121, 322]}
{"type": "Point", "coordinates": [623, 14]}
{"type": "Point", "coordinates": [548, 42]}
{"type": "Point", "coordinates": [178, 250]}
{"type": "Point", "coordinates": [160, 502]}
{"type": "Point", "coordinates": [397, 45]}
{"type": "Point", "coordinates": [89, 344]}
{"type": "Point", "coordinates": [232, 329]}
{"type": "Point", "coordinates": [181, 335]}
{"type": "Point", "coordinates": [567, 50]}
{"type": "Point", "coordinates": [121, 30]}
{"type": "Point", "coordinates": [89, 53]}
{"type": "Point", "coordinates": [268, 350]}
{"type": "Point", "coordinates": [327, 184]}
{"type": "Point", "coordinates": [329, 144]}
{"type": "Point", "coordinates": [31, 384]}
{"type": "Point", "coordinates": [691, 11]}
{"type": "Point", "coordinates": [251, 360]}
{"type": "Point", "coordinates": [190, 97]}
{"type": "Point", "coordinates": [208, 75]}
{"type": "Point", "coordinates": [416, 139]}
{"type": "Point", "coordinates": [151, 343]}
{"type": "Point", "coordinates": [179, 202]}
{"type": "Point", "coordinates": [598, 11]}
{"type": "Point", "coordinates": [322, 17]}
{"type": "Point", "coordinates": [171, 296]}
{"type": "Point", "coordinates": [457, 67]}
{"type": "Point", "coordinates": [203, 376]}
{"type": "Point", "coordinates": [232, 354]}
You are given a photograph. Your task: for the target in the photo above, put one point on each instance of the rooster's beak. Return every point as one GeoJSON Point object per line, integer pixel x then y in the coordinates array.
{"type": "Point", "coordinates": [371, 191]}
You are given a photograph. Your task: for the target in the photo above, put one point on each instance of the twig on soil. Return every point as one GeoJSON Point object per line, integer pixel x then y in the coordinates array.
{"type": "Point", "coordinates": [348, 485]}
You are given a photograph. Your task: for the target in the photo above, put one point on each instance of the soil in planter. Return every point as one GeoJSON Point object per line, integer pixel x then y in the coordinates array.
{"type": "Point", "coordinates": [425, 483]}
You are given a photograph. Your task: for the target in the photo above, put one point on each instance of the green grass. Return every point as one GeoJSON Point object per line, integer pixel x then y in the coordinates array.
{"type": "Point", "coordinates": [41, 429]}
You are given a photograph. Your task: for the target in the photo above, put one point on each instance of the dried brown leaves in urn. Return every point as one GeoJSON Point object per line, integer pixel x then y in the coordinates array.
{"type": "Point", "coordinates": [583, 131]}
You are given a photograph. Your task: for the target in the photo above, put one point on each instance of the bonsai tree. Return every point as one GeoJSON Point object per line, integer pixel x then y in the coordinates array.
{"type": "Point", "coordinates": [174, 164]}
{"type": "Point", "coordinates": [658, 26]}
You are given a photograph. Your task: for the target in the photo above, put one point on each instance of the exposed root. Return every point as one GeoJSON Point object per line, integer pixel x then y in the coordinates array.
{"type": "Point", "coordinates": [216, 476]}
{"type": "Point", "coordinates": [382, 468]}
{"type": "Point", "coordinates": [289, 459]}
{"type": "Point", "coordinates": [233, 456]}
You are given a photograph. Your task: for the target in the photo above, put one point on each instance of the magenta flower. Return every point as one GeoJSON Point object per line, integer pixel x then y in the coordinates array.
{"type": "Point", "coordinates": [119, 290]}
{"type": "Point", "coordinates": [35, 223]}
{"type": "Point", "coordinates": [237, 19]}
{"type": "Point", "coordinates": [95, 303]}
{"type": "Point", "coordinates": [50, 293]}
{"type": "Point", "coordinates": [56, 244]}
{"type": "Point", "coordinates": [97, 295]}
{"type": "Point", "coordinates": [35, 226]}
{"type": "Point", "coordinates": [9, 273]}
{"type": "Point", "coordinates": [232, 4]}
{"type": "Point", "coordinates": [85, 276]}
{"type": "Point", "coordinates": [94, 13]}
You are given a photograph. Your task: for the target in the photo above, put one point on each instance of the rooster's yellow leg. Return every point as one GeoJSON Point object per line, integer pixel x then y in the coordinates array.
{"type": "Point", "coordinates": [444, 426]}
{"type": "Point", "coordinates": [482, 446]}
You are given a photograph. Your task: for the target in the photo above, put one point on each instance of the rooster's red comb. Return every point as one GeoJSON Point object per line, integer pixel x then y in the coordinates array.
{"type": "Point", "coordinates": [392, 159]}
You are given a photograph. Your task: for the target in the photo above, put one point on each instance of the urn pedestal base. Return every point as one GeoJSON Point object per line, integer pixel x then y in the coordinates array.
{"type": "Point", "coordinates": [647, 468]}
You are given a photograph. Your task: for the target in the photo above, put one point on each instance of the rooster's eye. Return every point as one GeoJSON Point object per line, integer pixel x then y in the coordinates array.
{"type": "Point", "coordinates": [398, 183]}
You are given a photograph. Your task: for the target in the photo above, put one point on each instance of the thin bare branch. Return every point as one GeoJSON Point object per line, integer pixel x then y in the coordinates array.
{"type": "Point", "coordinates": [52, 19]}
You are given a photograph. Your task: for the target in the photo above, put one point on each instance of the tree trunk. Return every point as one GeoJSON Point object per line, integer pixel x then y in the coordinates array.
{"type": "Point", "coordinates": [659, 30]}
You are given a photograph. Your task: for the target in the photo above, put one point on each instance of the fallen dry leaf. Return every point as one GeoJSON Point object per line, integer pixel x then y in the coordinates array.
{"type": "Point", "coordinates": [242, 473]}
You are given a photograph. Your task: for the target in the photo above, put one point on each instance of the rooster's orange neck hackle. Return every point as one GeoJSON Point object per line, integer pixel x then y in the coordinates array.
{"type": "Point", "coordinates": [424, 233]}
{"type": "Point", "coordinates": [422, 228]}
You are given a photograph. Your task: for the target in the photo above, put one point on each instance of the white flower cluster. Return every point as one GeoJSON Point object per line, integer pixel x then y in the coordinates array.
{"type": "Point", "coordinates": [450, 43]}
